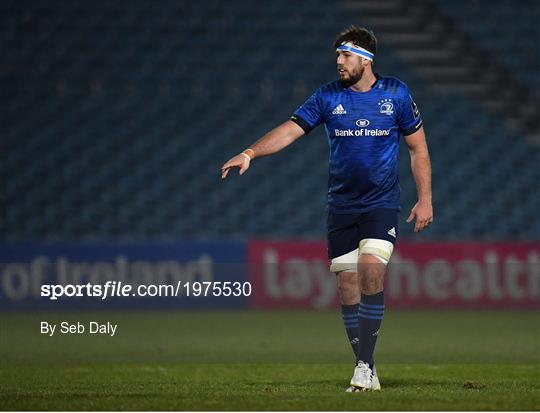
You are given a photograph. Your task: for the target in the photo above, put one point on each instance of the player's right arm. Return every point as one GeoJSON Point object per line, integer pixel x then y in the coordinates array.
{"type": "Point", "coordinates": [272, 142]}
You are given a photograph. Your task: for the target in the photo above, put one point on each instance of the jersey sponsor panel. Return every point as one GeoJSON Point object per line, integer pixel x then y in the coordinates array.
{"type": "Point", "coordinates": [362, 132]}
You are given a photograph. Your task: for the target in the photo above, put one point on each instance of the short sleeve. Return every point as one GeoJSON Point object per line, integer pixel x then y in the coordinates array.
{"type": "Point", "coordinates": [409, 119]}
{"type": "Point", "coordinates": [310, 114]}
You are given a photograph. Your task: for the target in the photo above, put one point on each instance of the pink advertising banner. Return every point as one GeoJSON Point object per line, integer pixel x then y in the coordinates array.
{"type": "Point", "coordinates": [287, 274]}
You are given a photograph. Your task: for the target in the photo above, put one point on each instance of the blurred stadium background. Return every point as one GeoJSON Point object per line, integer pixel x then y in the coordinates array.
{"type": "Point", "coordinates": [117, 116]}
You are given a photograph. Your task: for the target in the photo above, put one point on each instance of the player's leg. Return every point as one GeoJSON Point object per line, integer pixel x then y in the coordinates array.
{"type": "Point", "coordinates": [349, 296]}
{"type": "Point", "coordinates": [343, 239]}
{"type": "Point", "coordinates": [375, 249]}
{"type": "Point", "coordinates": [343, 255]}
{"type": "Point", "coordinates": [371, 271]}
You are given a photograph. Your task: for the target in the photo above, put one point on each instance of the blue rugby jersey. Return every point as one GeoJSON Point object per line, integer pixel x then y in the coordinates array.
{"type": "Point", "coordinates": [363, 131]}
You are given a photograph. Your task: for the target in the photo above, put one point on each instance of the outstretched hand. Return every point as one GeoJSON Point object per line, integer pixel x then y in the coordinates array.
{"type": "Point", "coordinates": [423, 213]}
{"type": "Point", "coordinates": [241, 161]}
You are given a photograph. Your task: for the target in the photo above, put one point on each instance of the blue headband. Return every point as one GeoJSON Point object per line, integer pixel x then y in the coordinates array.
{"type": "Point", "coordinates": [357, 50]}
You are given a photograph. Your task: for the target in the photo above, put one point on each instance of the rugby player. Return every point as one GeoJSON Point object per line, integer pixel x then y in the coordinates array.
{"type": "Point", "coordinates": [365, 115]}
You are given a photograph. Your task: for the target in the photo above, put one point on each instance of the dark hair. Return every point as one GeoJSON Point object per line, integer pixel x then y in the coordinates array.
{"type": "Point", "coordinates": [359, 36]}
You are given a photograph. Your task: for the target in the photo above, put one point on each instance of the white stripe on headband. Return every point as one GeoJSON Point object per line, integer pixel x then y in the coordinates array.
{"type": "Point", "coordinates": [360, 51]}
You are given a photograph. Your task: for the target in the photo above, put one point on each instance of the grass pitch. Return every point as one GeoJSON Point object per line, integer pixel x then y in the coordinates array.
{"type": "Point", "coordinates": [269, 361]}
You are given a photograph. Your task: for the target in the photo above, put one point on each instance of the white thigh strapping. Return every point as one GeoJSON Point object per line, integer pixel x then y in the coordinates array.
{"type": "Point", "coordinates": [379, 248]}
{"type": "Point", "coordinates": [345, 262]}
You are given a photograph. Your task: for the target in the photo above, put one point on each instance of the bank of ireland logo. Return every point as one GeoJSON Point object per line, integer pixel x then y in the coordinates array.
{"type": "Point", "coordinates": [362, 123]}
{"type": "Point", "coordinates": [386, 106]}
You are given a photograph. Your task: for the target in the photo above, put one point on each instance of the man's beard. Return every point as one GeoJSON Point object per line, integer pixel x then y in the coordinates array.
{"type": "Point", "coordinates": [354, 77]}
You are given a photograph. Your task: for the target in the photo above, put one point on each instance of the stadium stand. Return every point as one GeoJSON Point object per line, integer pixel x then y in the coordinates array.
{"type": "Point", "coordinates": [508, 32]}
{"type": "Point", "coordinates": [117, 120]}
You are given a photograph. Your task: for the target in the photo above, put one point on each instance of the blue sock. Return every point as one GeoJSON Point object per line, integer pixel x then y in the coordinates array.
{"type": "Point", "coordinates": [350, 320]}
{"type": "Point", "coordinates": [370, 315]}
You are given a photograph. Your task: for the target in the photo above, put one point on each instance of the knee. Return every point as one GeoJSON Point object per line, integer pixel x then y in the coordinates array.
{"type": "Point", "coordinates": [348, 289]}
{"type": "Point", "coordinates": [371, 275]}
{"type": "Point", "coordinates": [347, 282]}
{"type": "Point", "coordinates": [371, 286]}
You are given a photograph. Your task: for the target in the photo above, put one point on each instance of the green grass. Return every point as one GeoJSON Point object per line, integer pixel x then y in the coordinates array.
{"type": "Point", "coordinates": [270, 361]}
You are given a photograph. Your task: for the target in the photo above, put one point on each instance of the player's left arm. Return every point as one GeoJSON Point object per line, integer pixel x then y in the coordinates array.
{"type": "Point", "coordinates": [421, 169]}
